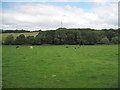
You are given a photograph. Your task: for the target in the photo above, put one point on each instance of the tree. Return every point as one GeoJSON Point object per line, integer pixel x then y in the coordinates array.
{"type": "Point", "coordinates": [104, 40]}
{"type": "Point", "coordinates": [42, 38]}
{"type": "Point", "coordinates": [91, 38]}
{"type": "Point", "coordinates": [71, 37]}
{"type": "Point", "coordinates": [83, 37]}
{"type": "Point", "coordinates": [30, 40]}
{"type": "Point", "coordinates": [20, 40]}
{"type": "Point", "coordinates": [60, 37]}
{"type": "Point", "coordinates": [87, 37]}
{"type": "Point", "coordinates": [78, 37]}
{"type": "Point", "coordinates": [99, 36]}
{"type": "Point", "coordinates": [114, 40]}
{"type": "Point", "coordinates": [9, 40]}
{"type": "Point", "coordinates": [110, 34]}
{"type": "Point", "coordinates": [49, 37]}
{"type": "Point", "coordinates": [38, 40]}
{"type": "Point", "coordinates": [68, 36]}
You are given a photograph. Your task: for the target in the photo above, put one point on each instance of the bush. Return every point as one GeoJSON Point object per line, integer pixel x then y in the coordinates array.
{"type": "Point", "coordinates": [114, 40]}
{"type": "Point", "coordinates": [30, 40]}
{"type": "Point", "coordinates": [20, 40]}
{"type": "Point", "coordinates": [104, 40]}
{"type": "Point", "coordinates": [9, 40]}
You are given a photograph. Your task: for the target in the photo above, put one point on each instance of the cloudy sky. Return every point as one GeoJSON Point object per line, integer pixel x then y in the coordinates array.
{"type": "Point", "coordinates": [98, 14]}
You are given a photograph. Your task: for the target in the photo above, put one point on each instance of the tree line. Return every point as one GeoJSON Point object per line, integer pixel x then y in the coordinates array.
{"type": "Point", "coordinates": [17, 31]}
{"type": "Point", "coordinates": [63, 36]}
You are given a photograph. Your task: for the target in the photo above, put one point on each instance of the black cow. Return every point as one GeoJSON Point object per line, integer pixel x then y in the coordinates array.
{"type": "Point", "coordinates": [17, 47]}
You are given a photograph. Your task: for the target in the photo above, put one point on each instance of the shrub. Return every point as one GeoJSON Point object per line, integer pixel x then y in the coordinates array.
{"type": "Point", "coordinates": [9, 40]}
{"type": "Point", "coordinates": [20, 40]}
{"type": "Point", "coordinates": [104, 40]}
{"type": "Point", "coordinates": [114, 40]}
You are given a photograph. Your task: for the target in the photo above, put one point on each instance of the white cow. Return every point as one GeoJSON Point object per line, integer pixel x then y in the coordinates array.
{"type": "Point", "coordinates": [30, 47]}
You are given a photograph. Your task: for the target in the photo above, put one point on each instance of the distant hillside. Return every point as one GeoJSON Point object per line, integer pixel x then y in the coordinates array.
{"type": "Point", "coordinates": [17, 31]}
{"type": "Point", "coordinates": [4, 35]}
{"type": "Point", "coordinates": [14, 31]}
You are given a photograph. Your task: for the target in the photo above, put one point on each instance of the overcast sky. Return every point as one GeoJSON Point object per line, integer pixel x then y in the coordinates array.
{"type": "Point", "coordinates": [49, 15]}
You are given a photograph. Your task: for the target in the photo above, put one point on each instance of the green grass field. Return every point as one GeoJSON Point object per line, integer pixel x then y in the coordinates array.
{"type": "Point", "coordinates": [59, 67]}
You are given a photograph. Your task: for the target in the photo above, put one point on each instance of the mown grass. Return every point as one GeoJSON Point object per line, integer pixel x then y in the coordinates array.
{"type": "Point", "coordinates": [60, 67]}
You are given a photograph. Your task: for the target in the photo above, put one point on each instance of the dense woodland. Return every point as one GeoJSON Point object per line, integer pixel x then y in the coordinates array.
{"type": "Point", "coordinates": [63, 36]}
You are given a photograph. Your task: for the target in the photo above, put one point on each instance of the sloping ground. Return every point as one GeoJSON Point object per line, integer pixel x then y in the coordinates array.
{"type": "Point", "coordinates": [57, 66]}
{"type": "Point", "coordinates": [4, 35]}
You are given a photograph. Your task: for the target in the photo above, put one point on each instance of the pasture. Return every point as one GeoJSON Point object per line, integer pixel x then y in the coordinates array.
{"type": "Point", "coordinates": [55, 66]}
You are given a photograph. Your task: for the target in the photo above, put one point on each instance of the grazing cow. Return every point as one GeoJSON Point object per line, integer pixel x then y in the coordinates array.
{"type": "Point", "coordinates": [17, 47]}
{"type": "Point", "coordinates": [66, 47]}
{"type": "Point", "coordinates": [75, 48]}
{"type": "Point", "coordinates": [30, 47]}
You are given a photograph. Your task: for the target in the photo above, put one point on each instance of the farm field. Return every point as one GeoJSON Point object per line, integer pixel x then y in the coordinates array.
{"type": "Point", "coordinates": [4, 35]}
{"type": "Point", "coordinates": [54, 66]}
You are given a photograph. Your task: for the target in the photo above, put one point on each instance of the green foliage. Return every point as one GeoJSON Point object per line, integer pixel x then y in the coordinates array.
{"type": "Point", "coordinates": [60, 37]}
{"type": "Point", "coordinates": [9, 40]}
{"type": "Point", "coordinates": [99, 36]}
{"type": "Point", "coordinates": [70, 36]}
{"type": "Point", "coordinates": [20, 39]}
{"type": "Point", "coordinates": [30, 40]}
{"type": "Point", "coordinates": [49, 37]}
{"type": "Point", "coordinates": [115, 40]}
{"type": "Point", "coordinates": [110, 34]}
{"type": "Point", "coordinates": [104, 40]}
{"type": "Point", "coordinates": [38, 40]}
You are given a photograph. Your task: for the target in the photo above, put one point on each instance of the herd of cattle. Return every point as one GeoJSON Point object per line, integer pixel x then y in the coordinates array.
{"type": "Point", "coordinates": [74, 47]}
{"type": "Point", "coordinates": [65, 47]}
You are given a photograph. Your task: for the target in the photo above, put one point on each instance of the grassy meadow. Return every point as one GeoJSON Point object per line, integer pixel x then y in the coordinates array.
{"type": "Point", "coordinates": [54, 66]}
